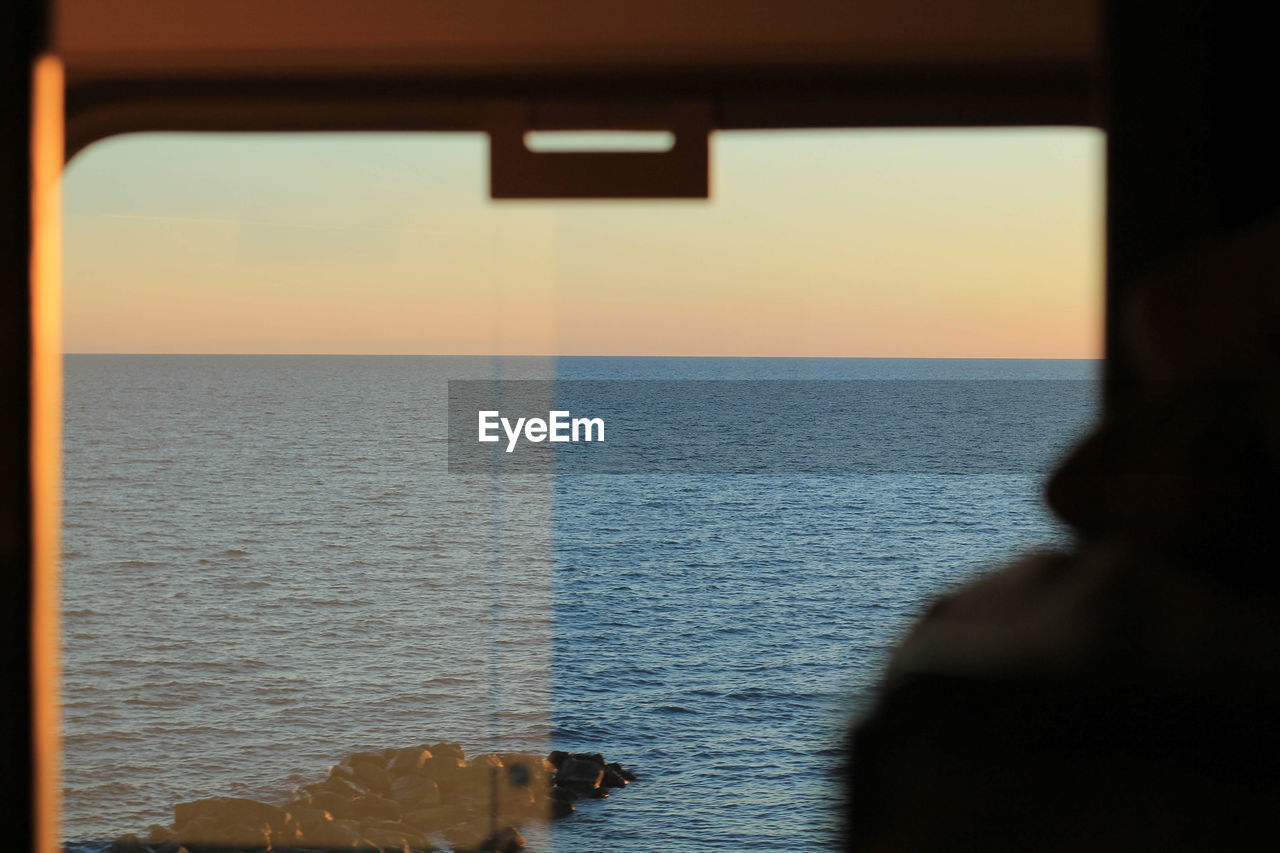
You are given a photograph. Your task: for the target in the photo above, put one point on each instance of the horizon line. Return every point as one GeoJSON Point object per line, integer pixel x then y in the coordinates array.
{"type": "Point", "coordinates": [583, 355]}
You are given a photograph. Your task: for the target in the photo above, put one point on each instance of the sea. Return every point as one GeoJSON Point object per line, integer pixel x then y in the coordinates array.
{"type": "Point", "coordinates": [269, 562]}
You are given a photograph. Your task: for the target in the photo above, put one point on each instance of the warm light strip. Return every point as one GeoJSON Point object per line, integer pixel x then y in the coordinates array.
{"type": "Point", "coordinates": [46, 439]}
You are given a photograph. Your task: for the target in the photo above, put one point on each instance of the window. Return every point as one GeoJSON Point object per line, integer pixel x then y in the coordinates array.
{"type": "Point", "coordinates": [268, 563]}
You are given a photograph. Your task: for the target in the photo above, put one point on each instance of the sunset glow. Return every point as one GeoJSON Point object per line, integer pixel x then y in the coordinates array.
{"type": "Point", "coordinates": [930, 243]}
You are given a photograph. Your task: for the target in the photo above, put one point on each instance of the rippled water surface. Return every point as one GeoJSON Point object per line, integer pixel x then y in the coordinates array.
{"type": "Point", "coordinates": [267, 565]}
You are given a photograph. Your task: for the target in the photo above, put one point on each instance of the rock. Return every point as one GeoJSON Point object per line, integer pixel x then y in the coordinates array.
{"type": "Point", "coordinates": [375, 806]}
{"type": "Point", "coordinates": [244, 835]}
{"type": "Point", "coordinates": [621, 771]}
{"type": "Point", "coordinates": [580, 771]}
{"type": "Point", "coordinates": [199, 830]}
{"type": "Point", "coordinates": [253, 813]}
{"type": "Point", "coordinates": [442, 768]}
{"type": "Point", "coordinates": [184, 813]}
{"type": "Point", "coordinates": [385, 840]}
{"type": "Point", "coordinates": [346, 787]}
{"type": "Point", "coordinates": [525, 769]}
{"type": "Point", "coordinates": [508, 840]}
{"type": "Point", "coordinates": [474, 789]}
{"type": "Point", "coordinates": [563, 794]}
{"type": "Point", "coordinates": [586, 789]}
{"type": "Point", "coordinates": [519, 805]}
{"type": "Point", "coordinates": [233, 820]}
{"type": "Point", "coordinates": [448, 750]}
{"type": "Point", "coordinates": [128, 843]}
{"type": "Point", "coordinates": [157, 834]}
{"type": "Point", "coordinates": [337, 805]}
{"type": "Point", "coordinates": [403, 800]}
{"type": "Point", "coordinates": [373, 775]}
{"type": "Point", "coordinates": [466, 836]}
{"type": "Point", "coordinates": [433, 820]}
{"type": "Point", "coordinates": [308, 817]}
{"type": "Point", "coordinates": [612, 779]}
{"type": "Point", "coordinates": [335, 833]}
{"type": "Point", "coordinates": [374, 757]}
{"type": "Point", "coordinates": [394, 834]}
{"type": "Point", "coordinates": [415, 792]}
{"type": "Point", "coordinates": [343, 771]}
{"type": "Point", "coordinates": [408, 760]}
{"type": "Point", "coordinates": [299, 799]}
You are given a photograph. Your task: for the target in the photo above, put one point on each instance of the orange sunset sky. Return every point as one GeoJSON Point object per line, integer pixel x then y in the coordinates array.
{"type": "Point", "coordinates": [912, 243]}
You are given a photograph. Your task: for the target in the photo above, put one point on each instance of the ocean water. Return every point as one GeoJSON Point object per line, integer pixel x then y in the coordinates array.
{"type": "Point", "coordinates": [268, 564]}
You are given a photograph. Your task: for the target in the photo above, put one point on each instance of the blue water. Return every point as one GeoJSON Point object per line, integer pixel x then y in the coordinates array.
{"type": "Point", "coordinates": [268, 564]}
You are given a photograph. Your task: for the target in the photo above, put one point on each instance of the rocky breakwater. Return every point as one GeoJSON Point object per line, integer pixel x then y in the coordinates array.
{"type": "Point", "coordinates": [411, 800]}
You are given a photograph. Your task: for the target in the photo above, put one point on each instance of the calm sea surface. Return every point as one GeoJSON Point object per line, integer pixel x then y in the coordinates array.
{"type": "Point", "coordinates": [267, 565]}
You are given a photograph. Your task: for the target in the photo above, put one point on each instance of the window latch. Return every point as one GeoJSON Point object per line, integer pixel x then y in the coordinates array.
{"type": "Point", "coordinates": [517, 171]}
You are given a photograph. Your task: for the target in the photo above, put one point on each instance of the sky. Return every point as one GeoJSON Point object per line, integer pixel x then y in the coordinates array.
{"type": "Point", "coordinates": [879, 243]}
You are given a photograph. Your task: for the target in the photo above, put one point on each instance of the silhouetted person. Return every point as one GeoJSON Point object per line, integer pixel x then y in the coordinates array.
{"type": "Point", "coordinates": [1124, 695]}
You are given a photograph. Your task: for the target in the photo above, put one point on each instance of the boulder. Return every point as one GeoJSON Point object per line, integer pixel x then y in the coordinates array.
{"type": "Point", "coordinates": [405, 800]}
{"type": "Point", "coordinates": [244, 835]}
{"type": "Point", "coordinates": [586, 789]}
{"type": "Point", "coordinates": [254, 813]}
{"type": "Point", "coordinates": [433, 820]}
{"type": "Point", "coordinates": [508, 840]}
{"type": "Point", "coordinates": [373, 775]}
{"type": "Point", "coordinates": [299, 799]}
{"type": "Point", "coordinates": [337, 805]}
{"type": "Point", "coordinates": [621, 771]}
{"type": "Point", "coordinates": [612, 779]}
{"type": "Point", "coordinates": [525, 769]}
{"type": "Point", "coordinates": [345, 787]}
{"type": "Point", "coordinates": [335, 833]}
{"type": "Point", "coordinates": [374, 757]}
{"type": "Point", "coordinates": [309, 817]}
{"type": "Point", "coordinates": [184, 813]}
{"type": "Point", "coordinates": [576, 772]}
{"type": "Point", "coordinates": [443, 769]}
{"type": "Point", "coordinates": [415, 792]}
{"type": "Point", "coordinates": [202, 829]}
{"type": "Point", "coordinates": [375, 806]}
{"type": "Point", "coordinates": [233, 821]}
{"type": "Point", "coordinates": [408, 760]}
{"type": "Point", "coordinates": [157, 834]}
{"type": "Point", "coordinates": [128, 843]}
{"type": "Point", "coordinates": [466, 836]}
{"type": "Point", "coordinates": [450, 750]}
{"type": "Point", "coordinates": [344, 771]}
{"type": "Point", "coordinates": [567, 795]}
{"type": "Point", "coordinates": [394, 835]}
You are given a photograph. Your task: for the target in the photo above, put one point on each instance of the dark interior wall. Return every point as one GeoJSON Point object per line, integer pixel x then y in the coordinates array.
{"type": "Point", "coordinates": [1190, 87]}
{"type": "Point", "coordinates": [1190, 90]}
{"type": "Point", "coordinates": [20, 34]}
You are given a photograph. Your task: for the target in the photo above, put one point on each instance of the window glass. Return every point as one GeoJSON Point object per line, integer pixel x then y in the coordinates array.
{"type": "Point", "coordinates": [829, 394]}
